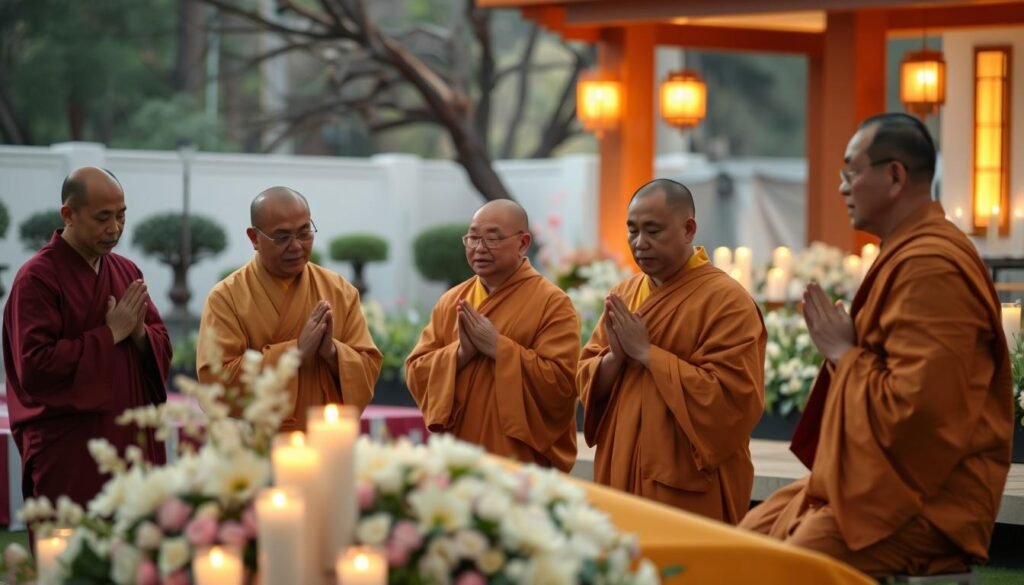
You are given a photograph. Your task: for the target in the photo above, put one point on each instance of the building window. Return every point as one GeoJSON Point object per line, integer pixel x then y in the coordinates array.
{"type": "Point", "coordinates": [991, 193]}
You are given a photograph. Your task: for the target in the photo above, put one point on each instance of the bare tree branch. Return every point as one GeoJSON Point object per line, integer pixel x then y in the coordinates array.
{"type": "Point", "coordinates": [562, 122]}
{"type": "Point", "coordinates": [267, 24]}
{"type": "Point", "coordinates": [508, 148]}
{"type": "Point", "coordinates": [481, 25]}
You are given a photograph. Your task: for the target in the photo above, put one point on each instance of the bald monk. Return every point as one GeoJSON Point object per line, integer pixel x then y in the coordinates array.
{"type": "Point", "coordinates": [907, 432]}
{"type": "Point", "coordinates": [672, 379]}
{"type": "Point", "coordinates": [281, 301]}
{"type": "Point", "coordinates": [82, 343]}
{"type": "Point", "coordinates": [495, 364]}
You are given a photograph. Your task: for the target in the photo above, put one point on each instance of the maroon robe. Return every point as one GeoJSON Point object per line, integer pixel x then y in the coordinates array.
{"type": "Point", "coordinates": [66, 379]}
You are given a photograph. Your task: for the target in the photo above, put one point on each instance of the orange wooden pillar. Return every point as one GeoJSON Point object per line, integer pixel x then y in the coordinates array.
{"type": "Point", "coordinates": [626, 155]}
{"type": "Point", "coordinates": [846, 85]}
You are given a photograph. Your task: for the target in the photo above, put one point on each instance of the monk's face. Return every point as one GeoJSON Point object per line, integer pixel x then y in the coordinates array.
{"type": "Point", "coordinates": [503, 242]}
{"type": "Point", "coordinates": [660, 236]}
{"type": "Point", "coordinates": [869, 187]}
{"type": "Point", "coordinates": [94, 225]}
{"type": "Point", "coordinates": [284, 237]}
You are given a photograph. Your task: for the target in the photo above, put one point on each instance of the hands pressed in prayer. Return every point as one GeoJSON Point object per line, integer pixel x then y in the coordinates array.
{"type": "Point", "coordinates": [124, 316]}
{"type": "Point", "coordinates": [629, 330]}
{"type": "Point", "coordinates": [480, 330]}
{"type": "Point", "coordinates": [327, 350]}
{"type": "Point", "coordinates": [467, 351]}
{"type": "Point", "coordinates": [830, 326]}
{"type": "Point", "coordinates": [616, 354]}
{"type": "Point", "coordinates": [312, 334]}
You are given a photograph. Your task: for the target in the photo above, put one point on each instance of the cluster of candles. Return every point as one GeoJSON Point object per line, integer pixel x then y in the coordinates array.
{"type": "Point", "coordinates": [778, 277]}
{"type": "Point", "coordinates": [993, 243]}
{"type": "Point", "coordinates": [306, 520]}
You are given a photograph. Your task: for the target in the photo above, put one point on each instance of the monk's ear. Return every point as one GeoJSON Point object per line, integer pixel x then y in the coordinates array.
{"type": "Point", "coordinates": [690, 229]}
{"type": "Point", "coordinates": [65, 214]}
{"type": "Point", "coordinates": [524, 243]}
{"type": "Point", "coordinates": [251, 233]}
{"type": "Point", "coordinates": [899, 176]}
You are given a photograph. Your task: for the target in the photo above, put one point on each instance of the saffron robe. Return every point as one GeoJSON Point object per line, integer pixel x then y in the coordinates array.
{"type": "Point", "coordinates": [67, 381]}
{"type": "Point", "coordinates": [251, 309]}
{"type": "Point", "coordinates": [908, 438]}
{"type": "Point", "coordinates": [521, 405]}
{"type": "Point", "coordinates": [679, 433]}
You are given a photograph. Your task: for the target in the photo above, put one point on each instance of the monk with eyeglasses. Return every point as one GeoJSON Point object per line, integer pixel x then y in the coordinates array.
{"type": "Point", "coordinates": [279, 301]}
{"type": "Point", "coordinates": [496, 363]}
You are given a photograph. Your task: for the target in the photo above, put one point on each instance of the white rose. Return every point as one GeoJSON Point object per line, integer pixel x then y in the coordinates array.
{"type": "Point", "coordinates": [125, 564]}
{"type": "Point", "coordinates": [435, 570]}
{"type": "Point", "coordinates": [493, 505]}
{"type": "Point", "coordinates": [435, 507]}
{"type": "Point", "coordinates": [470, 544]}
{"type": "Point", "coordinates": [174, 553]}
{"type": "Point", "coordinates": [552, 570]}
{"type": "Point", "coordinates": [491, 561]}
{"type": "Point", "coordinates": [444, 548]}
{"type": "Point", "coordinates": [388, 479]}
{"type": "Point", "coordinates": [373, 531]}
{"type": "Point", "coordinates": [148, 536]}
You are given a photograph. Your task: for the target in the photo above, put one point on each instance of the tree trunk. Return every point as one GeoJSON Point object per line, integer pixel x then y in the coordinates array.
{"type": "Point", "coordinates": [189, 72]}
{"type": "Point", "coordinates": [357, 278]}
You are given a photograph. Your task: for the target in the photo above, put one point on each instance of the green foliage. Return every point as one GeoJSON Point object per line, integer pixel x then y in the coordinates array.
{"type": "Point", "coordinates": [395, 334]}
{"type": "Point", "coordinates": [185, 354]}
{"type": "Point", "coordinates": [160, 236]}
{"type": "Point", "coordinates": [159, 123]}
{"type": "Point", "coordinates": [359, 248]}
{"type": "Point", "coordinates": [37, 228]}
{"type": "Point", "coordinates": [440, 255]}
{"type": "Point", "coordinates": [1017, 374]}
{"type": "Point", "coordinates": [5, 219]}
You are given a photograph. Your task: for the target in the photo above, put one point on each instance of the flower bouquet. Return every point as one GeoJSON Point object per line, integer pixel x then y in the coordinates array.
{"type": "Point", "coordinates": [791, 363]}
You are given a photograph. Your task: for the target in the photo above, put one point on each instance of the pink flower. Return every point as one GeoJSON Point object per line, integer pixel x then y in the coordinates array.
{"type": "Point", "coordinates": [176, 578]}
{"type": "Point", "coordinates": [522, 491]}
{"type": "Point", "coordinates": [365, 495]}
{"type": "Point", "coordinates": [407, 535]}
{"type": "Point", "coordinates": [554, 220]}
{"type": "Point", "coordinates": [146, 574]}
{"type": "Point", "coordinates": [249, 522]}
{"type": "Point", "coordinates": [471, 578]}
{"type": "Point", "coordinates": [202, 531]}
{"type": "Point", "coordinates": [232, 533]}
{"type": "Point", "coordinates": [398, 555]}
{"type": "Point", "coordinates": [173, 515]}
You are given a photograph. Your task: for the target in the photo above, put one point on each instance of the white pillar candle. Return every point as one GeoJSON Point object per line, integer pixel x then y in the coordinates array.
{"type": "Point", "coordinates": [741, 261]}
{"type": "Point", "coordinates": [217, 566]}
{"type": "Point", "coordinates": [782, 259]}
{"type": "Point", "coordinates": [47, 551]}
{"type": "Point", "coordinates": [851, 268]}
{"type": "Point", "coordinates": [1017, 232]}
{"type": "Point", "coordinates": [361, 565]}
{"type": "Point", "coordinates": [992, 233]}
{"type": "Point", "coordinates": [723, 258]}
{"type": "Point", "coordinates": [332, 433]}
{"type": "Point", "coordinates": [1011, 322]}
{"type": "Point", "coordinates": [297, 465]}
{"type": "Point", "coordinates": [868, 254]}
{"type": "Point", "coordinates": [775, 286]}
{"type": "Point", "coordinates": [280, 513]}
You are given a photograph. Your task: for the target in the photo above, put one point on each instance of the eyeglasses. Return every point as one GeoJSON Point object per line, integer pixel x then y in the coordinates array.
{"type": "Point", "coordinates": [473, 241]}
{"type": "Point", "coordinates": [285, 240]}
{"type": "Point", "coordinates": [847, 176]}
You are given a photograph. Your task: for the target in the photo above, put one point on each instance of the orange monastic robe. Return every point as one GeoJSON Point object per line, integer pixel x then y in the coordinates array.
{"type": "Point", "coordinates": [521, 405]}
{"type": "Point", "coordinates": [910, 433]}
{"type": "Point", "coordinates": [679, 433]}
{"type": "Point", "coordinates": [251, 309]}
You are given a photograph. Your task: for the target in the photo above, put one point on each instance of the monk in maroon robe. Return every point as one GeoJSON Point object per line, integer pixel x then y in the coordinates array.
{"type": "Point", "coordinates": [82, 342]}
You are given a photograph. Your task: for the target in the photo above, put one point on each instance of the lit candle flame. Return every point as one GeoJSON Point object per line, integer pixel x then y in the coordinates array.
{"type": "Point", "coordinates": [331, 413]}
{"type": "Point", "coordinates": [278, 499]}
{"type": "Point", "coordinates": [297, 439]}
{"type": "Point", "coordinates": [216, 557]}
{"type": "Point", "coordinates": [361, 563]}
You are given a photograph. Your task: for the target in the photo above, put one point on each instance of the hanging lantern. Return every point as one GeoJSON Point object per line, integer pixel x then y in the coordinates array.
{"type": "Point", "coordinates": [598, 102]}
{"type": "Point", "coordinates": [923, 82]}
{"type": "Point", "coordinates": [684, 99]}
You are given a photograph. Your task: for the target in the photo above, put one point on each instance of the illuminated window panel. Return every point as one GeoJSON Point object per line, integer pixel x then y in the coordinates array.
{"type": "Point", "coordinates": [991, 153]}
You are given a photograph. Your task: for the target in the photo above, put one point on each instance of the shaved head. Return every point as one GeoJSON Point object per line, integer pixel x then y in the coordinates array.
{"type": "Point", "coordinates": [677, 196]}
{"type": "Point", "coordinates": [507, 212]}
{"type": "Point", "coordinates": [84, 180]}
{"type": "Point", "coordinates": [272, 197]}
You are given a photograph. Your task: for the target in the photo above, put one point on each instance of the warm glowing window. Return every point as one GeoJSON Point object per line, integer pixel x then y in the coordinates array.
{"type": "Point", "coordinates": [991, 137]}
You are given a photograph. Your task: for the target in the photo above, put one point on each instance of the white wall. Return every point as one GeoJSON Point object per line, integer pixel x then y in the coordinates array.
{"type": "Point", "coordinates": [958, 119]}
{"type": "Point", "coordinates": [395, 196]}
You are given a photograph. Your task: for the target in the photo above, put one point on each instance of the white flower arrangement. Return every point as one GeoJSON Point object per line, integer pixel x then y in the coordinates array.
{"type": "Point", "coordinates": [446, 513]}
{"type": "Point", "coordinates": [598, 277]}
{"type": "Point", "coordinates": [791, 362]}
{"type": "Point", "coordinates": [819, 263]}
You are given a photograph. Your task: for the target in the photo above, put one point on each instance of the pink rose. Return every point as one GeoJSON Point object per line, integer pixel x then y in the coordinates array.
{"type": "Point", "coordinates": [407, 535]}
{"type": "Point", "coordinates": [176, 578]}
{"type": "Point", "coordinates": [232, 533]}
{"type": "Point", "coordinates": [365, 495]}
{"type": "Point", "coordinates": [398, 555]}
{"type": "Point", "coordinates": [250, 523]}
{"type": "Point", "coordinates": [471, 578]}
{"type": "Point", "coordinates": [173, 515]}
{"type": "Point", "coordinates": [146, 574]}
{"type": "Point", "coordinates": [201, 532]}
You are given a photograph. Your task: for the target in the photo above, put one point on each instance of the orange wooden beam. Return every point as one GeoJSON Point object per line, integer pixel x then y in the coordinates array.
{"type": "Point", "coordinates": [552, 18]}
{"type": "Point", "coordinates": [946, 17]}
{"type": "Point", "coordinates": [627, 154]}
{"type": "Point", "coordinates": [739, 39]}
